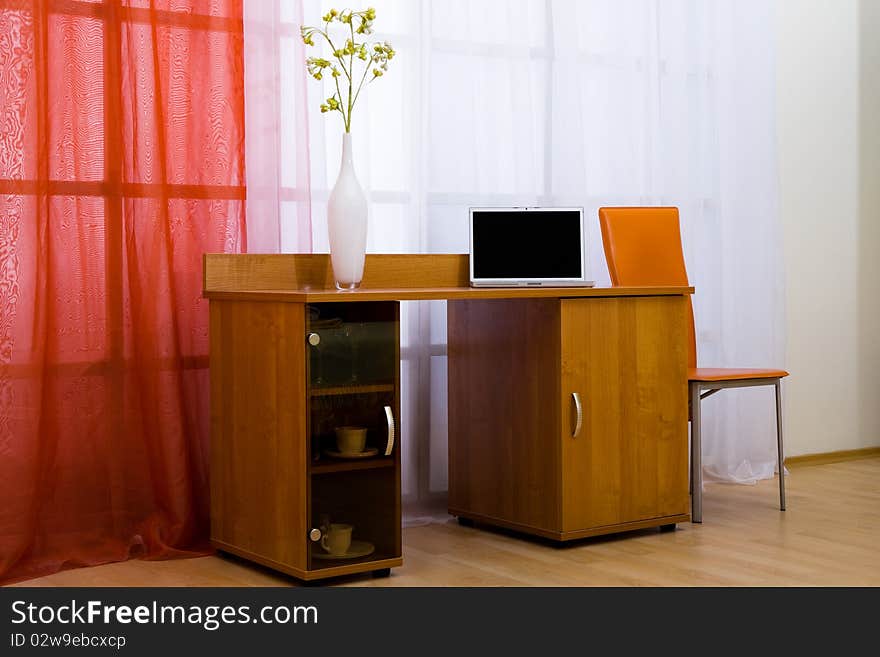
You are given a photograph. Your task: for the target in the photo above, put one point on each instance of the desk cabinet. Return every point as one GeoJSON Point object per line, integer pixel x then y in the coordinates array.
{"type": "Point", "coordinates": [284, 376]}
{"type": "Point", "coordinates": [568, 417]}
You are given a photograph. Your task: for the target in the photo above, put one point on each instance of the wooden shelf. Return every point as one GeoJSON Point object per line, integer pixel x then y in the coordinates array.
{"type": "Point", "coordinates": [343, 465]}
{"type": "Point", "coordinates": [351, 390]}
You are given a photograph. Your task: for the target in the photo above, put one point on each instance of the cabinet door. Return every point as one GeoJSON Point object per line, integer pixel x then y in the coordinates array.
{"type": "Point", "coordinates": [352, 353]}
{"type": "Point", "coordinates": [624, 364]}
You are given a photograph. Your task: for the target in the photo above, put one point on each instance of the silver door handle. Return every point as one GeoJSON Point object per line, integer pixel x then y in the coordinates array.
{"type": "Point", "coordinates": [579, 409]}
{"type": "Point", "coordinates": [389, 417]}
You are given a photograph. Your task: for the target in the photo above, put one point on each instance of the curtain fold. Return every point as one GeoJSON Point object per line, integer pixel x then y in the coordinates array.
{"type": "Point", "coordinates": [121, 163]}
{"type": "Point", "coordinates": [276, 114]}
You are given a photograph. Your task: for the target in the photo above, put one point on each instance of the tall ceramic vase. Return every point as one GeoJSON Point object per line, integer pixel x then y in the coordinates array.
{"type": "Point", "coordinates": [347, 221]}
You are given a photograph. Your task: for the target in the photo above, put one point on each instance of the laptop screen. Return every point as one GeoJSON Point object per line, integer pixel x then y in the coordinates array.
{"type": "Point", "coordinates": [520, 244]}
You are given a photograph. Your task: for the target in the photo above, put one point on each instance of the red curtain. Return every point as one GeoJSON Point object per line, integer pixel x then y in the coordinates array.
{"type": "Point", "coordinates": [121, 163]}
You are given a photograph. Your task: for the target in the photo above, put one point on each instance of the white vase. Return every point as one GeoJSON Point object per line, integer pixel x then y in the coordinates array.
{"type": "Point", "coordinates": [347, 221]}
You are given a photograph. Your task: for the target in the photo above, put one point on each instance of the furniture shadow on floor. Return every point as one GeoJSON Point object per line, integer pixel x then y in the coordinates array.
{"type": "Point", "coordinates": [601, 539]}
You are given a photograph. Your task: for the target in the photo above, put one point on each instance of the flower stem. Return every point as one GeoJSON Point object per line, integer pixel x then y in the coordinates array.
{"type": "Point", "coordinates": [339, 94]}
{"type": "Point", "coordinates": [351, 67]}
{"type": "Point", "coordinates": [326, 36]}
{"type": "Point", "coordinates": [361, 85]}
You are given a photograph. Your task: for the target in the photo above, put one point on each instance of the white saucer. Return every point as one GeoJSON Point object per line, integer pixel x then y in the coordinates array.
{"type": "Point", "coordinates": [372, 451]}
{"type": "Point", "coordinates": [356, 550]}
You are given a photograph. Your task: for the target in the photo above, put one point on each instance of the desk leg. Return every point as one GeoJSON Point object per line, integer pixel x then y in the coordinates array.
{"type": "Point", "coordinates": [696, 457]}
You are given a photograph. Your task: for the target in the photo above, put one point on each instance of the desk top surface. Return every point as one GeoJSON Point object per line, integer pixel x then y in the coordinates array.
{"type": "Point", "coordinates": [323, 295]}
{"type": "Point", "coordinates": [308, 278]}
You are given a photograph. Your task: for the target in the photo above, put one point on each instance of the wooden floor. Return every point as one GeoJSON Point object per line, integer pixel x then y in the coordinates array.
{"type": "Point", "coordinates": [830, 535]}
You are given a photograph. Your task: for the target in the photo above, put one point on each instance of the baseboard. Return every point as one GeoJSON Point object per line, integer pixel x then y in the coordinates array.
{"type": "Point", "coordinates": [832, 457]}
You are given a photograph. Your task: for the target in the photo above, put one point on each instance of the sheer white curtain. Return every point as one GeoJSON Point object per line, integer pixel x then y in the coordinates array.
{"type": "Point", "coordinates": [563, 102]}
{"type": "Point", "coordinates": [277, 140]}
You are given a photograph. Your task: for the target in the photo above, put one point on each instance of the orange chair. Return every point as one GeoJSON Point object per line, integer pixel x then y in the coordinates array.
{"type": "Point", "coordinates": [643, 247]}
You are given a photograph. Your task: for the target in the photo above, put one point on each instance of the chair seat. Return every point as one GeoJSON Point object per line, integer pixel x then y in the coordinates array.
{"type": "Point", "coordinates": [732, 374]}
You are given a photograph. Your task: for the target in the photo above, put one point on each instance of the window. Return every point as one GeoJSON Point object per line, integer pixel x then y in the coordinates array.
{"type": "Point", "coordinates": [100, 138]}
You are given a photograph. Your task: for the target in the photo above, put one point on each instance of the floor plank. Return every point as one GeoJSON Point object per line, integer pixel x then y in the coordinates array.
{"type": "Point", "coordinates": [828, 536]}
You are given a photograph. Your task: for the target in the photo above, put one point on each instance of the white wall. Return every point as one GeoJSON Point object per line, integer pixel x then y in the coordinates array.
{"type": "Point", "coordinates": [828, 85]}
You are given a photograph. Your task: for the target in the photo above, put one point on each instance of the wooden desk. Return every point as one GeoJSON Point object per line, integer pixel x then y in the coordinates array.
{"type": "Point", "coordinates": [523, 364]}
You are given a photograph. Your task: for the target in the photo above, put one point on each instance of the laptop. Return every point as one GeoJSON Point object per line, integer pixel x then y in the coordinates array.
{"type": "Point", "coordinates": [527, 247]}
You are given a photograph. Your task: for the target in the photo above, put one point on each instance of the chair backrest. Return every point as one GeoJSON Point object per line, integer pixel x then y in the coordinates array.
{"type": "Point", "coordinates": [643, 247]}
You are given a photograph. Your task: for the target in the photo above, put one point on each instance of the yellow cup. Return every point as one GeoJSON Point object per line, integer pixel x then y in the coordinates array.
{"type": "Point", "coordinates": [337, 539]}
{"type": "Point", "coordinates": [351, 440]}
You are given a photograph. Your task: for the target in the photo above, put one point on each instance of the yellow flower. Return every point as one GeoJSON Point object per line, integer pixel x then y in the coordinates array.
{"type": "Point", "coordinates": [374, 55]}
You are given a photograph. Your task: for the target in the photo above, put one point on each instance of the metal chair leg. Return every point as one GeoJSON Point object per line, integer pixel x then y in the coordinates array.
{"type": "Point", "coordinates": [780, 455]}
{"type": "Point", "coordinates": [696, 457]}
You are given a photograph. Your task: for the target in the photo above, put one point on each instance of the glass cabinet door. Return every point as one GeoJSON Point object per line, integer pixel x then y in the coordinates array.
{"type": "Point", "coordinates": [353, 380]}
